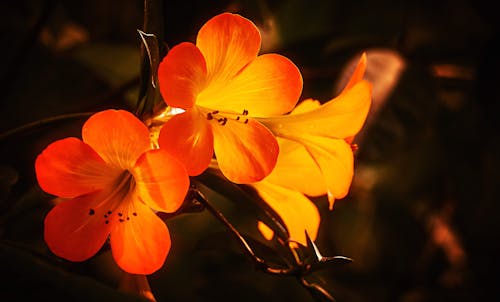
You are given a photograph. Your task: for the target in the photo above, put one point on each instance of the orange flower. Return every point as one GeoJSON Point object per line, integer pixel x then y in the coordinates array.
{"type": "Point", "coordinates": [322, 135]}
{"type": "Point", "coordinates": [222, 84]}
{"type": "Point", "coordinates": [114, 183]}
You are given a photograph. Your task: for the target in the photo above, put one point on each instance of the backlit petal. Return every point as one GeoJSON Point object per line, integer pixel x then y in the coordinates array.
{"type": "Point", "coordinates": [270, 85]}
{"type": "Point", "coordinates": [341, 117]}
{"type": "Point", "coordinates": [335, 159]}
{"type": "Point", "coordinates": [297, 212]}
{"type": "Point", "coordinates": [141, 243]}
{"type": "Point", "coordinates": [76, 229]}
{"type": "Point", "coordinates": [161, 180]}
{"type": "Point", "coordinates": [182, 75]}
{"type": "Point", "coordinates": [306, 106]}
{"type": "Point", "coordinates": [358, 73]}
{"type": "Point", "coordinates": [228, 43]}
{"type": "Point", "coordinates": [69, 168]}
{"type": "Point", "coordinates": [188, 137]}
{"type": "Point", "coordinates": [246, 152]}
{"type": "Point", "coordinates": [297, 170]}
{"type": "Point", "coordinates": [117, 136]}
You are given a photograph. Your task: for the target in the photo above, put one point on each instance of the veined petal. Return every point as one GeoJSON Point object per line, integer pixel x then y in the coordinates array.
{"type": "Point", "coordinates": [161, 180]}
{"type": "Point", "coordinates": [335, 159]}
{"type": "Point", "coordinates": [297, 170]}
{"type": "Point", "coordinates": [117, 136]}
{"type": "Point", "coordinates": [76, 229]}
{"type": "Point", "coordinates": [246, 152]}
{"type": "Point", "coordinates": [341, 117]}
{"type": "Point", "coordinates": [189, 138]}
{"type": "Point", "coordinates": [357, 75]}
{"type": "Point", "coordinates": [69, 168]}
{"type": "Point", "coordinates": [270, 85]}
{"type": "Point", "coordinates": [297, 212]}
{"type": "Point", "coordinates": [228, 42]}
{"type": "Point", "coordinates": [140, 244]}
{"type": "Point", "coordinates": [182, 75]}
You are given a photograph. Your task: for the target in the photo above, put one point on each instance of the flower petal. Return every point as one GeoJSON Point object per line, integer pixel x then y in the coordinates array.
{"type": "Point", "coordinates": [357, 75]}
{"type": "Point", "coordinates": [297, 212]}
{"type": "Point", "coordinates": [161, 180]}
{"type": "Point", "coordinates": [341, 117]}
{"type": "Point", "coordinates": [140, 244]}
{"type": "Point", "coordinates": [297, 170]}
{"type": "Point", "coordinates": [335, 159]}
{"type": "Point", "coordinates": [69, 168]}
{"type": "Point", "coordinates": [246, 152]}
{"type": "Point", "coordinates": [228, 42]}
{"type": "Point", "coordinates": [182, 75]}
{"type": "Point", "coordinates": [270, 85]}
{"type": "Point", "coordinates": [75, 229]}
{"type": "Point", "coordinates": [189, 138]}
{"type": "Point", "coordinates": [117, 136]}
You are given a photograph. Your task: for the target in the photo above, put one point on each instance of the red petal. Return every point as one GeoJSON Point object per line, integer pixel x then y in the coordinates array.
{"type": "Point", "coordinates": [189, 138]}
{"type": "Point", "coordinates": [141, 243]}
{"type": "Point", "coordinates": [246, 152]}
{"type": "Point", "coordinates": [228, 43]}
{"type": "Point", "coordinates": [161, 180]}
{"type": "Point", "coordinates": [75, 229]}
{"type": "Point", "coordinates": [117, 136]}
{"type": "Point", "coordinates": [69, 168]}
{"type": "Point", "coordinates": [182, 75]}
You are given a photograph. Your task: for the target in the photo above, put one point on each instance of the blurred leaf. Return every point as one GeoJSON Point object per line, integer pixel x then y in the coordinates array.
{"type": "Point", "coordinates": [113, 63]}
{"type": "Point", "coordinates": [17, 263]}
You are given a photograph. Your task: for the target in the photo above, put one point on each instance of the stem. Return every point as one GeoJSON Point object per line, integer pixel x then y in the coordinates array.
{"type": "Point", "coordinates": [44, 122]}
{"type": "Point", "coordinates": [259, 262]}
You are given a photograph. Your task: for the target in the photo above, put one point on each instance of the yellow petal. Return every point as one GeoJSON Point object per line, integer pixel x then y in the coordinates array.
{"type": "Point", "coordinates": [341, 117]}
{"type": "Point", "coordinates": [297, 212]}
{"type": "Point", "coordinates": [297, 170]}
{"type": "Point", "coordinates": [357, 75]}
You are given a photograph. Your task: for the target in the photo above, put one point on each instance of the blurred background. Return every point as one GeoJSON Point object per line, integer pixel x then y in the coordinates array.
{"type": "Point", "coordinates": [420, 221]}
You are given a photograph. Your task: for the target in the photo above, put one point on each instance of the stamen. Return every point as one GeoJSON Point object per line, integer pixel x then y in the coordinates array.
{"type": "Point", "coordinates": [209, 116]}
{"type": "Point", "coordinates": [121, 220]}
{"type": "Point", "coordinates": [106, 222]}
{"type": "Point", "coordinates": [91, 212]}
{"type": "Point", "coordinates": [109, 212]}
{"type": "Point", "coordinates": [120, 214]}
{"type": "Point", "coordinates": [246, 121]}
{"type": "Point", "coordinates": [135, 214]}
{"type": "Point", "coordinates": [245, 112]}
{"type": "Point", "coordinates": [222, 121]}
{"type": "Point", "coordinates": [105, 215]}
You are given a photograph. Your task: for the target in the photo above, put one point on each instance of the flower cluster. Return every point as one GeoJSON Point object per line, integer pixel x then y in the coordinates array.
{"type": "Point", "coordinates": [236, 107]}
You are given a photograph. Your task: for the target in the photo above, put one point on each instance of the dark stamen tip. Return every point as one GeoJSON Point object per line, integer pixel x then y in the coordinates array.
{"type": "Point", "coordinates": [91, 212]}
{"type": "Point", "coordinates": [106, 222]}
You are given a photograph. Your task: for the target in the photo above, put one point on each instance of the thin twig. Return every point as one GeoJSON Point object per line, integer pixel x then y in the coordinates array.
{"type": "Point", "coordinates": [44, 122]}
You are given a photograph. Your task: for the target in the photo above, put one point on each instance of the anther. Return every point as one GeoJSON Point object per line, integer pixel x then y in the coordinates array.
{"type": "Point", "coordinates": [246, 121]}
{"type": "Point", "coordinates": [121, 220]}
{"type": "Point", "coordinates": [238, 118]}
{"type": "Point", "coordinates": [222, 121]}
{"type": "Point", "coordinates": [215, 112]}
{"type": "Point", "coordinates": [120, 214]}
{"type": "Point", "coordinates": [209, 116]}
{"type": "Point", "coordinates": [106, 222]}
{"type": "Point", "coordinates": [91, 212]}
{"type": "Point", "coordinates": [135, 214]}
{"type": "Point", "coordinates": [109, 212]}
{"type": "Point", "coordinates": [105, 215]}
{"type": "Point", "coordinates": [128, 218]}
{"type": "Point", "coordinates": [245, 112]}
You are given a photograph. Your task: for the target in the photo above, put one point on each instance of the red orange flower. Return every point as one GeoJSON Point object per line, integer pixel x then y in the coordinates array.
{"type": "Point", "coordinates": [113, 182]}
{"type": "Point", "coordinates": [222, 84]}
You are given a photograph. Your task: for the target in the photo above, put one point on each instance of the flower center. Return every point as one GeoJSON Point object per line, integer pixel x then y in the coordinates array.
{"type": "Point", "coordinates": [223, 117]}
{"type": "Point", "coordinates": [115, 201]}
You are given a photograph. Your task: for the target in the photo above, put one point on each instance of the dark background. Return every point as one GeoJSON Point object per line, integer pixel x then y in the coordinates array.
{"type": "Point", "coordinates": [420, 221]}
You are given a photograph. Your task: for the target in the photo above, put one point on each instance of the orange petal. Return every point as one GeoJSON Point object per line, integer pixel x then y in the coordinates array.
{"type": "Point", "coordinates": [69, 168]}
{"type": "Point", "coordinates": [189, 138]}
{"type": "Point", "coordinates": [335, 159]}
{"type": "Point", "coordinates": [246, 152]}
{"type": "Point", "coordinates": [161, 180]}
{"type": "Point", "coordinates": [358, 73]}
{"type": "Point", "coordinates": [228, 43]}
{"type": "Point", "coordinates": [297, 212]}
{"type": "Point", "coordinates": [76, 229]}
{"type": "Point", "coordinates": [117, 136]}
{"type": "Point", "coordinates": [140, 244]}
{"type": "Point", "coordinates": [270, 85]}
{"type": "Point", "coordinates": [297, 170]}
{"type": "Point", "coordinates": [182, 75]}
{"type": "Point", "coordinates": [341, 117]}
